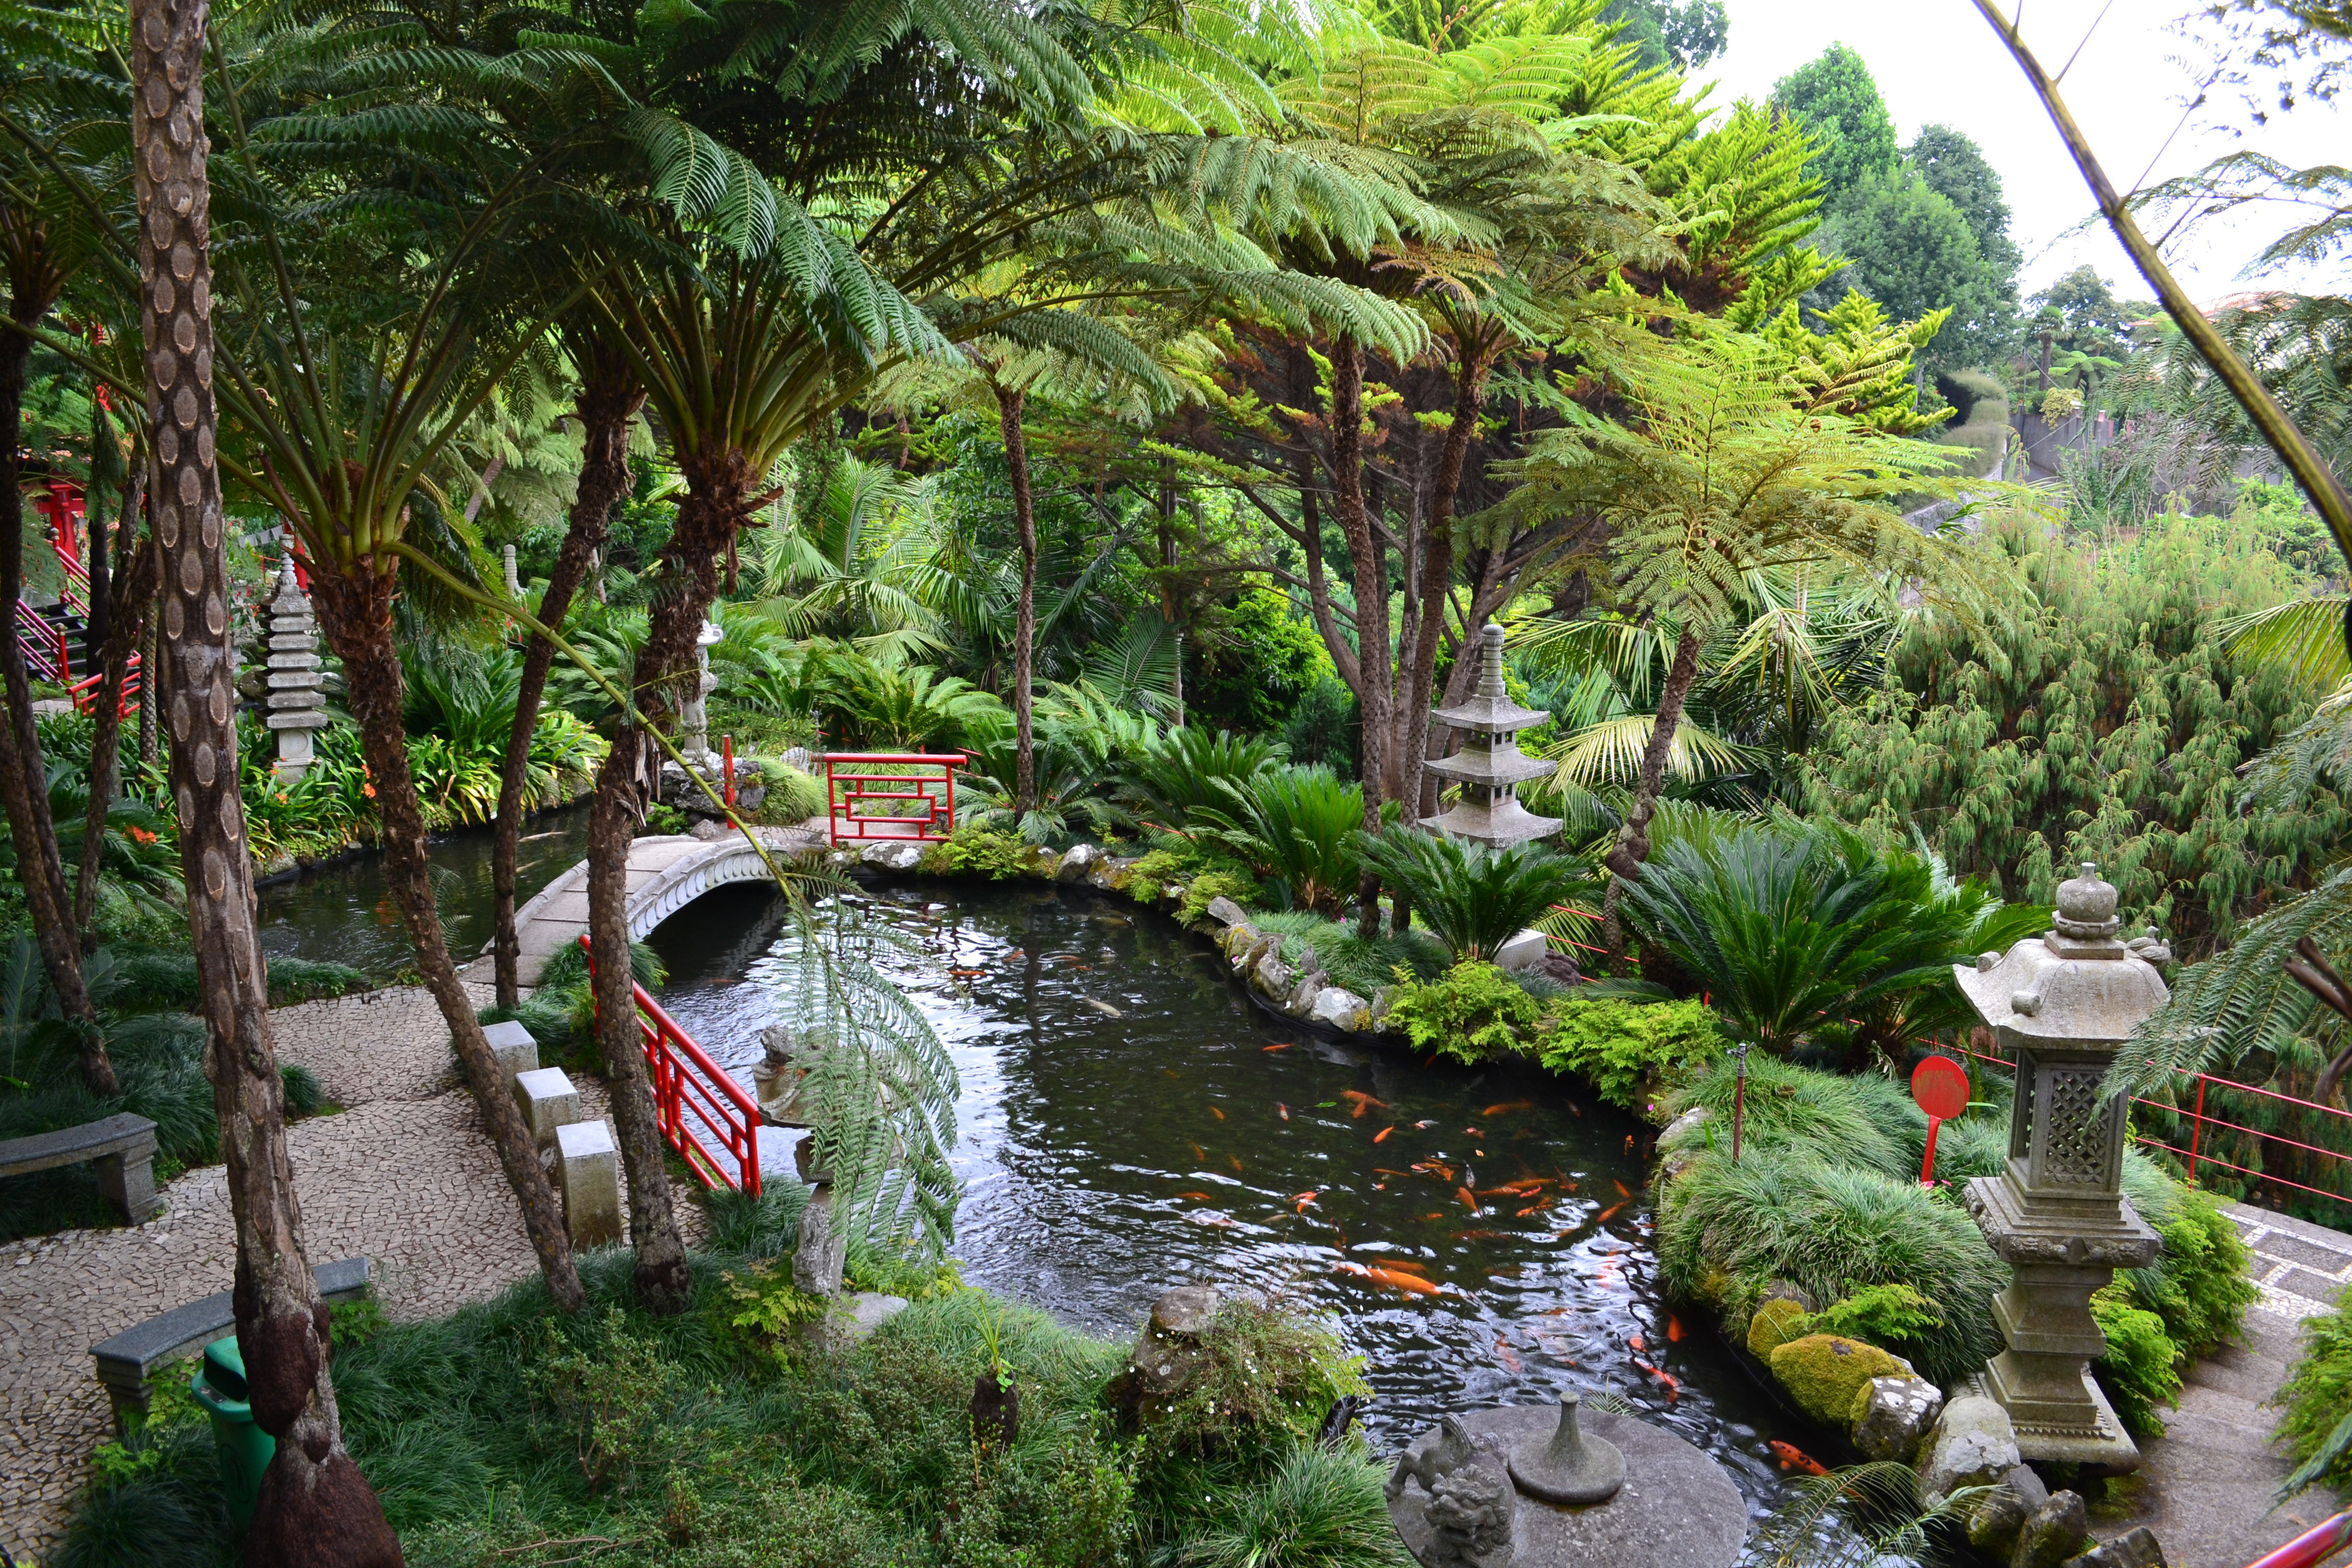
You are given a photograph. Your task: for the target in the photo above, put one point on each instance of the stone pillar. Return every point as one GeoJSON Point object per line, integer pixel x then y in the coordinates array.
{"type": "Point", "coordinates": [514, 584]}
{"type": "Point", "coordinates": [822, 1250]}
{"type": "Point", "coordinates": [2064, 1004]}
{"type": "Point", "coordinates": [297, 704]}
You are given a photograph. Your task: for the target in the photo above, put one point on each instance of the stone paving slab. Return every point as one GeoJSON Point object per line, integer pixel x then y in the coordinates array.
{"type": "Point", "coordinates": [2302, 1268]}
{"type": "Point", "coordinates": [404, 1175]}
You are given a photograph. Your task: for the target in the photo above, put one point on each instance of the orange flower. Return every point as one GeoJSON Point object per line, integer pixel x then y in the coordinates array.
{"type": "Point", "coordinates": [368, 790]}
{"type": "Point", "coordinates": [138, 834]}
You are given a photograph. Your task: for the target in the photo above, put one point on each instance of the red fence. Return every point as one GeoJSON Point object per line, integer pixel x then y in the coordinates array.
{"type": "Point", "coordinates": [2312, 1547]}
{"type": "Point", "coordinates": [698, 1104]}
{"type": "Point", "coordinates": [2196, 1152]}
{"type": "Point", "coordinates": [929, 798]}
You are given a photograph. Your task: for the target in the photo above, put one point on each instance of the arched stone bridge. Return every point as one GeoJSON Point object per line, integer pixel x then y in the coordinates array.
{"type": "Point", "coordinates": [665, 874]}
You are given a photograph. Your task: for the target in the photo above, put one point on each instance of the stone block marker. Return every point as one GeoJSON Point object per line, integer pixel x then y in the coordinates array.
{"type": "Point", "coordinates": [1526, 951]}
{"type": "Point", "coordinates": [516, 1051]}
{"type": "Point", "coordinates": [548, 1100]}
{"type": "Point", "coordinates": [588, 1172]}
{"type": "Point", "coordinates": [127, 1360]}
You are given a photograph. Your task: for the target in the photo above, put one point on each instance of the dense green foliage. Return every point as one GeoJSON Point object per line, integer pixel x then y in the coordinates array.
{"type": "Point", "coordinates": [2316, 1401]}
{"type": "Point", "coordinates": [679, 1440]}
{"type": "Point", "coordinates": [1474, 898]}
{"type": "Point", "coordinates": [2104, 722]}
{"type": "Point", "coordinates": [1623, 1048]}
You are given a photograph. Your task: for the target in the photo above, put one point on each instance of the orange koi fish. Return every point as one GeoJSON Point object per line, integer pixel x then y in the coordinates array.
{"type": "Point", "coordinates": [1382, 1135]}
{"type": "Point", "coordinates": [967, 972]}
{"type": "Point", "coordinates": [1673, 1329]}
{"type": "Point", "coordinates": [1467, 1200]}
{"type": "Point", "coordinates": [1575, 1110]}
{"type": "Point", "coordinates": [1198, 1153]}
{"type": "Point", "coordinates": [1793, 1458]}
{"type": "Point", "coordinates": [1674, 1391]}
{"type": "Point", "coordinates": [1198, 1197]}
{"type": "Point", "coordinates": [1216, 1112]}
{"type": "Point", "coordinates": [1384, 1171]}
{"type": "Point", "coordinates": [1410, 1284]}
{"type": "Point", "coordinates": [1504, 1354]}
{"type": "Point", "coordinates": [1303, 1199]}
{"type": "Point", "coordinates": [1236, 1159]}
{"type": "Point", "coordinates": [1439, 1214]}
{"type": "Point", "coordinates": [1283, 1046]}
{"type": "Point", "coordinates": [1604, 1216]}
{"type": "Point", "coordinates": [1409, 1265]}
{"type": "Point", "coordinates": [1508, 1105]}
{"type": "Point", "coordinates": [1419, 1125]}
{"type": "Point", "coordinates": [1284, 1109]}
{"type": "Point", "coordinates": [1476, 1131]}
{"type": "Point", "coordinates": [1635, 1341]}
{"type": "Point", "coordinates": [1621, 1189]}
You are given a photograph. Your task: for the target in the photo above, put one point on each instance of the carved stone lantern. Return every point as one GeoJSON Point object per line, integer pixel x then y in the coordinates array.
{"type": "Point", "coordinates": [1490, 767]}
{"type": "Point", "coordinates": [2064, 1004]}
{"type": "Point", "coordinates": [296, 705]}
{"type": "Point", "coordinates": [694, 721]}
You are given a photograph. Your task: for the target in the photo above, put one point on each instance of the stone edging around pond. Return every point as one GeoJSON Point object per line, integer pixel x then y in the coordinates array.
{"type": "Point", "coordinates": [1305, 993]}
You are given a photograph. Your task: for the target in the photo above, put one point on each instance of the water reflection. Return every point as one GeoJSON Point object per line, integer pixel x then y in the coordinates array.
{"type": "Point", "coordinates": [1128, 1122]}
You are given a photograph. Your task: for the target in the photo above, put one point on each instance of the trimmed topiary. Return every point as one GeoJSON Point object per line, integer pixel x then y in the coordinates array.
{"type": "Point", "coordinates": [1824, 1373]}
{"type": "Point", "coordinates": [1776, 1322]}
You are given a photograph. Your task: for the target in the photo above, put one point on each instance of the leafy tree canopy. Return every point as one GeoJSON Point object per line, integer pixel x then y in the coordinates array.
{"type": "Point", "coordinates": [1955, 168]}
{"type": "Point", "coordinates": [1913, 251]}
{"type": "Point", "coordinates": [1836, 99]}
{"type": "Point", "coordinates": [1685, 35]}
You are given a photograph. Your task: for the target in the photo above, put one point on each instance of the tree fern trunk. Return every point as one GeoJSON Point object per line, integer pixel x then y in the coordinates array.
{"type": "Point", "coordinates": [1437, 574]}
{"type": "Point", "coordinates": [1009, 405]}
{"type": "Point", "coordinates": [1633, 845]}
{"type": "Point", "coordinates": [355, 612]}
{"type": "Point", "coordinates": [606, 405]}
{"type": "Point", "coordinates": [129, 626]}
{"type": "Point", "coordinates": [1376, 684]}
{"type": "Point", "coordinates": [24, 776]}
{"type": "Point", "coordinates": [314, 1508]}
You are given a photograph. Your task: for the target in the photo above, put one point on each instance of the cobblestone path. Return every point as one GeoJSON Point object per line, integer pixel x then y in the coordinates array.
{"type": "Point", "coordinates": [403, 1174]}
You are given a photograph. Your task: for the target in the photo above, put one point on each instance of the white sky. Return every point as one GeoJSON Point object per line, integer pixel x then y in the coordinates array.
{"type": "Point", "coordinates": [1939, 61]}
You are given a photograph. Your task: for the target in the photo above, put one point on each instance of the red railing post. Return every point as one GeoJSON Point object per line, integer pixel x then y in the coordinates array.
{"type": "Point", "coordinates": [2197, 1129]}
{"type": "Point", "coordinates": [683, 1079]}
{"type": "Point", "coordinates": [2312, 1547]}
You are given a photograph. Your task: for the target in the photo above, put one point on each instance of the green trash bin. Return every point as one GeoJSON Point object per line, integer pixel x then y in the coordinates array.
{"type": "Point", "coordinates": [244, 1448]}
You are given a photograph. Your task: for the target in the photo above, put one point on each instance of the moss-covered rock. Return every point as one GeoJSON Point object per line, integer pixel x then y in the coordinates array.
{"type": "Point", "coordinates": [1823, 1372]}
{"type": "Point", "coordinates": [1776, 1323]}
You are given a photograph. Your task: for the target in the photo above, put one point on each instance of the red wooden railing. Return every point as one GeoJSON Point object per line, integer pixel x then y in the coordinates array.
{"type": "Point", "coordinates": [84, 691]}
{"type": "Point", "coordinates": [931, 817]}
{"type": "Point", "coordinates": [2312, 1547]}
{"type": "Point", "coordinates": [2199, 1121]}
{"type": "Point", "coordinates": [699, 1106]}
{"type": "Point", "coordinates": [44, 642]}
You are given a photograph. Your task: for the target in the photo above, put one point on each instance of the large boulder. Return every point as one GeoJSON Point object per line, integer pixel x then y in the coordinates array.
{"type": "Point", "coordinates": [1892, 1414]}
{"type": "Point", "coordinates": [1973, 1445]}
{"type": "Point", "coordinates": [1107, 874]}
{"type": "Point", "coordinates": [1270, 977]}
{"type": "Point", "coordinates": [1341, 1009]}
{"type": "Point", "coordinates": [2052, 1533]}
{"type": "Point", "coordinates": [1076, 862]}
{"type": "Point", "coordinates": [1224, 911]}
{"type": "Point", "coordinates": [1167, 1354]}
{"type": "Point", "coordinates": [2134, 1549]}
{"type": "Point", "coordinates": [1996, 1520]}
{"type": "Point", "coordinates": [1824, 1373]}
{"type": "Point", "coordinates": [899, 855]}
{"type": "Point", "coordinates": [852, 1319]}
{"type": "Point", "coordinates": [1776, 1323]}
{"type": "Point", "coordinates": [1383, 998]}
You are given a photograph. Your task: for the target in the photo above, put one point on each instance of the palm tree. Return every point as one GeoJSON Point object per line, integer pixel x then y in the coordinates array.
{"type": "Point", "coordinates": [314, 1508]}
{"type": "Point", "coordinates": [1734, 470]}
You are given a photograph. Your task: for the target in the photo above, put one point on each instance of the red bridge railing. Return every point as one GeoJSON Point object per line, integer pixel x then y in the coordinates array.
{"type": "Point", "coordinates": [926, 814]}
{"type": "Point", "coordinates": [2312, 1547]}
{"type": "Point", "coordinates": [698, 1104]}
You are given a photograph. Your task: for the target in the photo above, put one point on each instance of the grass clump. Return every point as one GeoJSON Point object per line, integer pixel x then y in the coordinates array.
{"type": "Point", "coordinates": [971, 851]}
{"type": "Point", "coordinates": [793, 795]}
{"type": "Point", "coordinates": [1727, 1231]}
{"type": "Point", "coordinates": [1862, 1120]}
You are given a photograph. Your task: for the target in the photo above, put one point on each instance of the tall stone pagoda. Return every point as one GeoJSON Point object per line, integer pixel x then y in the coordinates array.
{"type": "Point", "coordinates": [2064, 1004]}
{"type": "Point", "coordinates": [1490, 767]}
{"type": "Point", "coordinates": [297, 704]}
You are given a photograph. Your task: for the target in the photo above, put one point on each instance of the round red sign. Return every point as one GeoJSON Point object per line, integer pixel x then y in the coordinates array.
{"type": "Point", "coordinates": [1940, 1085]}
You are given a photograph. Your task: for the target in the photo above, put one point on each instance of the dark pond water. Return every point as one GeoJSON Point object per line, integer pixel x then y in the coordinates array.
{"type": "Point", "coordinates": [343, 913]}
{"type": "Point", "coordinates": [1191, 1137]}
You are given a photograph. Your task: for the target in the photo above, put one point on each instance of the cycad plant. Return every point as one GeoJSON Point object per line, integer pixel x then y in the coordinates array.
{"type": "Point", "coordinates": [1475, 899]}
{"type": "Point", "coordinates": [1177, 774]}
{"type": "Point", "coordinates": [1790, 928]}
{"type": "Point", "coordinates": [1299, 827]}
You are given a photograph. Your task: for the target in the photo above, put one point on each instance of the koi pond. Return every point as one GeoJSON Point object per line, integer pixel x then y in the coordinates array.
{"type": "Point", "coordinates": [1129, 1121]}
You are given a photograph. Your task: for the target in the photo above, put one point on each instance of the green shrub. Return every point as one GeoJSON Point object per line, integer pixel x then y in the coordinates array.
{"type": "Point", "coordinates": [2315, 1401]}
{"type": "Point", "coordinates": [1776, 1323]}
{"type": "Point", "coordinates": [1727, 1231]}
{"type": "Point", "coordinates": [154, 1497]}
{"type": "Point", "coordinates": [2139, 1370]}
{"type": "Point", "coordinates": [1474, 1011]}
{"type": "Point", "coordinates": [977, 852]}
{"type": "Point", "coordinates": [1621, 1045]}
{"type": "Point", "coordinates": [663, 821]}
{"type": "Point", "coordinates": [1298, 827]}
{"type": "Point", "coordinates": [793, 795]}
{"type": "Point", "coordinates": [1888, 1316]}
{"type": "Point", "coordinates": [1211, 886]}
{"type": "Point", "coordinates": [2200, 1285]}
{"type": "Point", "coordinates": [1176, 774]}
{"type": "Point", "coordinates": [1823, 1372]}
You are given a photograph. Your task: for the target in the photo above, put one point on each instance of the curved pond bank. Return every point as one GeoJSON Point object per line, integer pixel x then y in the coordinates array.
{"type": "Point", "coordinates": [1129, 1122]}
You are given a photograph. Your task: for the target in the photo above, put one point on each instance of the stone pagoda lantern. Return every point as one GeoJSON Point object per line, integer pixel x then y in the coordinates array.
{"type": "Point", "coordinates": [694, 715]}
{"type": "Point", "coordinates": [297, 704]}
{"type": "Point", "coordinates": [1490, 767]}
{"type": "Point", "coordinates": [2064, 1004]}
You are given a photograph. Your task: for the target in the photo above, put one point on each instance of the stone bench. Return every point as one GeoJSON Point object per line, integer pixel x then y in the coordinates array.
{"type": "Point", "coordinates": [123, 1147]}
{"type": "Point", "coordinates": [128, 1360]}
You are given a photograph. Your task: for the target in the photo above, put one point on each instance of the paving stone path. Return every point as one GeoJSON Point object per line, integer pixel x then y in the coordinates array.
{"type": "Point", "coordinates": [2205, 1489]}
{"type": "Point", "coordinates": [403, 1174]}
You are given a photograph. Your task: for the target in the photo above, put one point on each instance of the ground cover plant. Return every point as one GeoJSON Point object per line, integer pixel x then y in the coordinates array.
{"type": "Point", "coordinates": [691, 1440]}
